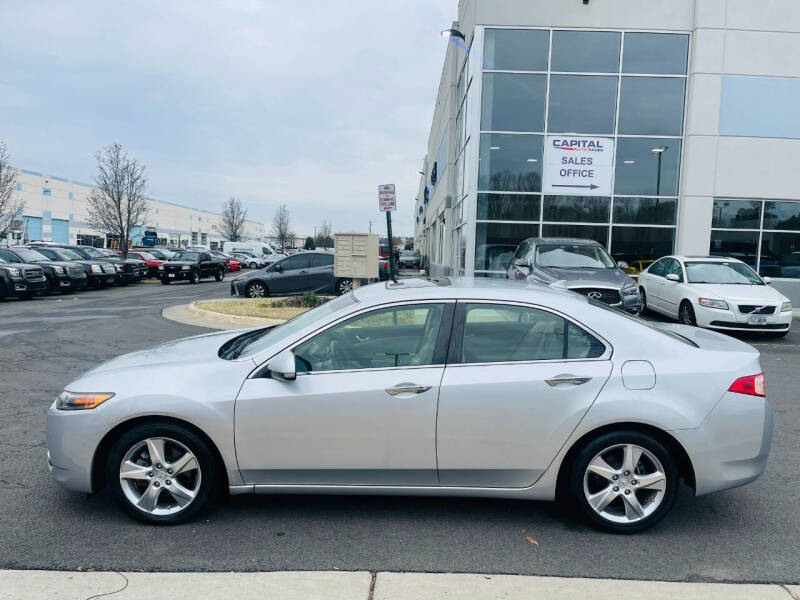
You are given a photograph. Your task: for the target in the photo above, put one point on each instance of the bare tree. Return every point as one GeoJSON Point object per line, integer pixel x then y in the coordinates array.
{"type": "Point", "coordinates": [282, 226]}
{"type": "Point", "coordinates": [232, 220]}
{"type": "Point", "coordinates": [118, 201]}
{"type": "Point", "coordinates": [324, 237]}
{"type": "Point", "coordinates": [9, 206]}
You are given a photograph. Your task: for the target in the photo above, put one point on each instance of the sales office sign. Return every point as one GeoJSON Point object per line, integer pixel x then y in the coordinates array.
{"type": "Point", "coordinates": [578, 165]}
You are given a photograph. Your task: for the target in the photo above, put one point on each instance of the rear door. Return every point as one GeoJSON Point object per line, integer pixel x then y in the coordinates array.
{"type": "Point", "coordinates": [320, 273]}
{"type": "Point", "coordinates": [518, 381]}
{"type": "Point", "coordinates": [292, 277]}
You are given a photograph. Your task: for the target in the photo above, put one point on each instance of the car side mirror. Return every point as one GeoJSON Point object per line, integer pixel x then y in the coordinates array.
{"type": "Point", "coordinates": [622, 265]}
{"type": "Point", "coordinates": [673, 277]}
{"type": "Point", "coordinates": [521, 263]}
{"type": "Point", "coordinates": [767, 280]}
{"type": "Point", "coordinates": [283, 366]}
{"type": "Point", "coordinates": [278, 268]}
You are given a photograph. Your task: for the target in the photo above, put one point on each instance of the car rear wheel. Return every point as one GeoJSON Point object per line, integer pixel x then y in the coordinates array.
{"type": "Point", "coordinates": [256, 289]}
{"type": "Point", "coordinates": [195, 277]}
{"type": "Point", "coordinates": [686, 314]}
{"type": "Point", "coordinates": [624, 481]}
{"type": "Point", "coordinates": [253, 265]}
{"type": "Point", "coordinates": [219, 275]}
{"type": "Point", "coordinates": [344, 286]}
{"type": "Point", "coordinates": [162, 473]}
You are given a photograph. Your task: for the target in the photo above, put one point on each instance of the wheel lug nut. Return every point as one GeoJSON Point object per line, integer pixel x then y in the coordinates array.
{"type": "Point", "coordinates": [150, 474]}
{"type": "Point", "coordinates": [634, 482]}
{"type": "Point", "coordinates": [156, 484]}
{"type": "Point", "coordinates": [169, 471]}
{"type": "Point", "coordinates": [627, 492]}
{"type": "Point", "coordinates": [158, 466]}
{"type": "Point", "coordinates": [615, 477]}
{"type": "Point", "coordinates": [616, 489]}
{"type": "Point", "coordinates": [168, 482]}
{"type": "Point", "coordinates": [626, 473]}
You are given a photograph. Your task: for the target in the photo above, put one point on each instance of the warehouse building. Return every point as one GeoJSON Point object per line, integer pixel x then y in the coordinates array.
{"type": "Point", "coordinates": [652, 127]}
{"type": "Point", "coordinates": [55, 209]}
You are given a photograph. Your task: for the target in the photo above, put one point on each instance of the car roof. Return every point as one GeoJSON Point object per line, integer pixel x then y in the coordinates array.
{"type": "Point", "coordinates": [706, 258]}
{"type": "Point", "coordinates": [563, 240]}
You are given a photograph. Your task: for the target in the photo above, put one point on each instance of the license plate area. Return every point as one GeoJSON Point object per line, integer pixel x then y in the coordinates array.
{"type": "Point", "coordinates": [757, 319]}
{"type": "Point", "coordinates": [171, 275]}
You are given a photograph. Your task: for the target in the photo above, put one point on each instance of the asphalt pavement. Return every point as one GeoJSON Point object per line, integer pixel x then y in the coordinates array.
{"type": "Point", "coordinates": [749, 534]}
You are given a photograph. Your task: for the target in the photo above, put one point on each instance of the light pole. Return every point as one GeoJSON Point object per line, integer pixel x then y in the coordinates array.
{"type": "Point", "coordinates": [659, 152]}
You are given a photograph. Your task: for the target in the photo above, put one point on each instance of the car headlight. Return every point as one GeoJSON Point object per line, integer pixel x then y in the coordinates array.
{"type": "Point", "coordinates": [786, 306]}
{"type": "Point", "coordinates": [630, 290]}
{"type": "Point", "coordinates": [13, 271]}
{"type": "Point", "coordinates": [711, 303]}
{"type": "Point", "coordinates": [96, 269]}
{"type": "Point", "coordinates": [80, 401]}
{"type": "Point", "coordinates": [185, 268]}
{"type": "Point", "coordinates": [160, 267]}
{"type": "Point", "coordinates": [58, 269]}
{"type": "Point", "coordinates": [117, 268]}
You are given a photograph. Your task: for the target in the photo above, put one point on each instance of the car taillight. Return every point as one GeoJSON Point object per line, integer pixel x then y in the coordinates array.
{"type": "Point", "coordinates": [752, 385]}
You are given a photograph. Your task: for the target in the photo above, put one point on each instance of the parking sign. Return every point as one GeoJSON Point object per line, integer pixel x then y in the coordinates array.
{"type": "Point", "coordinates": [386, 198]}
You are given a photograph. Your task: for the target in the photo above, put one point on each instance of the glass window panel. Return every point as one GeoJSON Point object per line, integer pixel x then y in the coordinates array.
{"type": "Point", "coordinates": [736, 214]}
{"type": "Point", "coordinates": [588, 232]}
{"type": "Point", "coordinates": [586, 209]}
{"type": "Point", "coordinates": [516, 49]}
{"type": "Point", "coordinates": [735, 244]}
{"type": "Point", "coordinates": [495, 243]}
{"type": "Point", "coordinates": [655, 53]}
{"type": "Point", "coordinates": [782, 215]}
{"type": "Point", "coordinates": [639, 246]}
{"type": "Point", "coordinates": [647, 166]}
{"type": "Point", "coordinates": [585, 51]}
{"type": "Point", "coordinates": [780, 255]}
{"type": "Point", "coordinates": [651, 105]}
{"type": "Point", "coordinates": [513, 102]}
{"type": "Point", "coordinates": [582, 104]}
{"type": "Point", "coordinates": [508, 207]}
{"type": "Point", "coordinates": [510, 163]}
{"type": "Point", "coordinates": [645, 211]}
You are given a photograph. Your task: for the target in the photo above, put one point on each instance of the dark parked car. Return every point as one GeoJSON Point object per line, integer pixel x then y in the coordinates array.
{"type": "Point", "coordinates": [191, 265]}
{"type": "Point", "coordinates": [582, 266]}
{"type": "Point", "coordinates": [98, 274]}
{"type": "Point", "coordinates": [127, 270]}
{"type": "Point", "coordinates": [21, 280]}
{"type": "Point", "coordinates": [296, 274]}
{"type": "Point", "coordinates": [62, 276]}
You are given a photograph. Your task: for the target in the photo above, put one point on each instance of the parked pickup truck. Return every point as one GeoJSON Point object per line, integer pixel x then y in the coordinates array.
{"type": "Point", "coordinates": [21, 280]}
{"type": "Point", "coordinates": [192, 265]}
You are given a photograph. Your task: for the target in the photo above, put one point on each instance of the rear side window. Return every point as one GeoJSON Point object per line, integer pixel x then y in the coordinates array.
{"type": "Point", "coordinates": [506, 333]}
{"type": "Point", "coordinates": [321, 260]}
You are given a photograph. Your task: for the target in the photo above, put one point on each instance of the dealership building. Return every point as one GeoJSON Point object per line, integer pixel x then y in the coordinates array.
{"type": "Point", "coordinates": [55, 209]}
{"type": "Point", "coordinates": [651, 127]}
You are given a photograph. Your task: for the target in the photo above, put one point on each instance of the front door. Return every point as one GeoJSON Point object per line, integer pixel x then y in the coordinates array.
{"type": "Point", "coordinates": [292, 273]}
{"type": "Point", "coordinates": [518, 381]}
{"type": "Point", "coordinates": [362, 410]}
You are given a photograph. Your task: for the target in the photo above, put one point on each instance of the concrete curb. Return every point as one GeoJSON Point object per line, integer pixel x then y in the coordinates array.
{"type": "Point", "coordinates": [236, 320]}
{"type": "Point", "coordinates": [191, 315]}
{"type": "Point", "coordinates": [360, 585]}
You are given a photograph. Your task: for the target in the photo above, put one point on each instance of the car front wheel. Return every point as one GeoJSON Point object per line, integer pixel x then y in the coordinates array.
{"type": "Point", "coordinates": [344, 286]}
{"type": "Point", "coordinates": [624, 481]}
{"type": "Point", "coordinates": [219, 275]}
{"type": "Point", "coordinates": [161, 473]}
{"type": "Point", "coordinates": [256, 289]}
{"type": "Point", "coordinates": [686, 314]}
{"type": "Point", "coordinates": [195, 277]}
{"type": "Point", "coordinates": [644, 310]}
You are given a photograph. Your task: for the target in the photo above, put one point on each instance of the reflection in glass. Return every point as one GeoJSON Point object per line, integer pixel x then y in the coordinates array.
{"type": "Point", "coordinates": [585, 209]}
{"type": "Point", "coordinates": [589, 232]}
{"type": "Point", "coordinates": [736, 214]}
{"type": "Point", "coordinates": [645, 211]}
{"type": "Point", "coordinates": [513, 102]}
{"type": "Point", "coordinates": [585, 51]}
{"type": "Point", "coordinates": [582, 104]}
{"type": "Point", "coordinates": [508, 207]}
{"type": "Point", "coordinates": [516, 49]}
{"type": "Point", "coordinates": [735, 244]}
{"type": "Point", "coordinates": [510, 163]}
{"type": "Point", "coordinates": [782, 215]}
{"type": "Point", "coordinates": [651, 105]}
{"type": "Point", "coordinates": [495, 243]}
{"type": "Point", "coordinates": [633, 244]}
{"type": "Point", "coordinates": [647, 166]}
{"type": "Point", "coordinates": [780, 255]}
{"type": "Point", "coordinates": [655, 53]}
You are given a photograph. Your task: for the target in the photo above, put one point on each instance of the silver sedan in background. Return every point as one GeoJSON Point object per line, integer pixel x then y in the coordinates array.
{"type": "Point", "coordinates": [465, 388]}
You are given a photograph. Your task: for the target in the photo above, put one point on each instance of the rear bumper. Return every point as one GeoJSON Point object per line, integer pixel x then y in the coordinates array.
{"type": "Point", "coordinates": [731, 446]}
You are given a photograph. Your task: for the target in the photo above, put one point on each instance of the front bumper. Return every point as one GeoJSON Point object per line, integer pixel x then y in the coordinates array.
{"type": "Point", "coordinates": [174, 275]}
{"type": "Point", "coordinates": [23, 285]}
{"type": "Point", "coordinates": [72, 438]}
{"type": "Point", "coordinates": [731, 446]}
{"type": "Point", "coordinates": [733, 320]}
{"type": "Point", "coordinates": [237, 288]}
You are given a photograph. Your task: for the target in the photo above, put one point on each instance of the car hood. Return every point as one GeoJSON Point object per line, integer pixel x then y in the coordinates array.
{"type": "Point", "coordinates": [583, 277]}
{"type": "Point", "coordinates": [746, 294]}
{"type": "Point", "coordinates": [180, 263]}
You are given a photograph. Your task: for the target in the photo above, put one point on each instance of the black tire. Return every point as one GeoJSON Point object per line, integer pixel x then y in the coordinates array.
{"type": "Point", "coordinates": [194, 278]}
{"type": "Point", "coordinates": [51, 287]}
{"type": "Point", "coordinates": [344, 286]}
{"type": "Point", "coordinates": [578, 469]}
{"type": "Point", "coordinates": [165, 281]}
{"type": "Point", "coordinates": [644, 310]}
{"type": "Point", "coordinates": [686, 314]}
{"type": "Point", "coordinates": [219, 275]}
{"type": "Point", "coordinates": [209, 470]}
{"type": "Point", "coordinates": [251, 291]}
{"type": "Point", "coordinates": [253, 265]}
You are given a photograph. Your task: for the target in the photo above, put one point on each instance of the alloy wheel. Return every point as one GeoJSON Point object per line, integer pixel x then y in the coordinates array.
{"type": "Point", "coordinates": [624, 483]}
{"type": "Point", "coordinates": [160, 476]}
{"type": "Point", "coordinates": [345, 286]}
{"type": "Point", "coordinates": [256, 290]}
{"type": "Point", "coordinates": [687, 314]}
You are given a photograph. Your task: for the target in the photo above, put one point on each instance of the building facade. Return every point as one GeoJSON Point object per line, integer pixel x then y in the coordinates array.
{"type": "Point", "coordinates": [55, 209]}
{"type": "Point", "coordinates": [652, 127]}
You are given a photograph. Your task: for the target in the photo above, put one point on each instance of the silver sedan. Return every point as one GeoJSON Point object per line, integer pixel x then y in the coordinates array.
{"type": "Point", "coordinates": [460, 388]}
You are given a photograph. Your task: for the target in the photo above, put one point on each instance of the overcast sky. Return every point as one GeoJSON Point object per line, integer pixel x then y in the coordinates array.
{"type": "Point", "coordinates": [312, 103]}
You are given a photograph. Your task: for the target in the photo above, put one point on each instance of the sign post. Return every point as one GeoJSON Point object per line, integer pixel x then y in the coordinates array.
{"type": "Point", "coordinates": [387, 202]}
{"type": "Point", "coordinates": [578, 165]}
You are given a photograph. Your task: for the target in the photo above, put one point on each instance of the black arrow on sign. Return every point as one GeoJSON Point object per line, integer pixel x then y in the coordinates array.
{"type": "Point", "coordinates": [588, 187]}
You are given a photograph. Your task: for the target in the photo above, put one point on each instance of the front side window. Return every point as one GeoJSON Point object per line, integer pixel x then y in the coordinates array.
{"type": "Point", "coordinates": [294, 262]}
{"type": "Point", "coordinates": [658, 268]}
{"type": "Point", "coordinates": [506, 333]}
{"type": "Point", "coordinates": [673, 267]}
{"type": "Point", "coordinates": [401, 336]}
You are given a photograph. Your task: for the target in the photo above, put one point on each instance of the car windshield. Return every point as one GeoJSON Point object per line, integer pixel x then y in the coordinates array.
{"type": "Point", "coordinates": [573, 256]}
{"type": "Point", "coordinates": [28, 255]}
{"type": "Point", "coordinates": [190, 256]}
{"type": "Point", "coordinates": [147, 256]}
{"type": "Point", "coordinates": [252, 343]}
{"type": "Point", "coordinates": [93, 252]}
{"type": "Point", "coordinates": [408, 253]}
{"type": "Point", "coordinates": [66, 254]}
{"type": "Point", "coordinates": [732, 273]}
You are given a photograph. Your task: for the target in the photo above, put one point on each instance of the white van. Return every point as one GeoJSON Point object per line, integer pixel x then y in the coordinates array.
{"type": "Point", "coordinates": [256, 248]}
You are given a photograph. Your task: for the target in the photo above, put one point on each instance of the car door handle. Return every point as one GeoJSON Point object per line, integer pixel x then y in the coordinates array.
{"type": "Point", "coordinates": [407, 388]}
{"type": "Point", "coordinates": [562, 379]}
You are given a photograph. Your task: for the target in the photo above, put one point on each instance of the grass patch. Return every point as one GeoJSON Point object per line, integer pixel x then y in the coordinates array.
{"type": "Point", "coordinates": [267, 309]}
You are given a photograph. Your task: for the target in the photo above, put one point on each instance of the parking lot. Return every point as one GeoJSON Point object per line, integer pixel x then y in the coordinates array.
{"type": "Point", "coordinates": [745, 534]}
